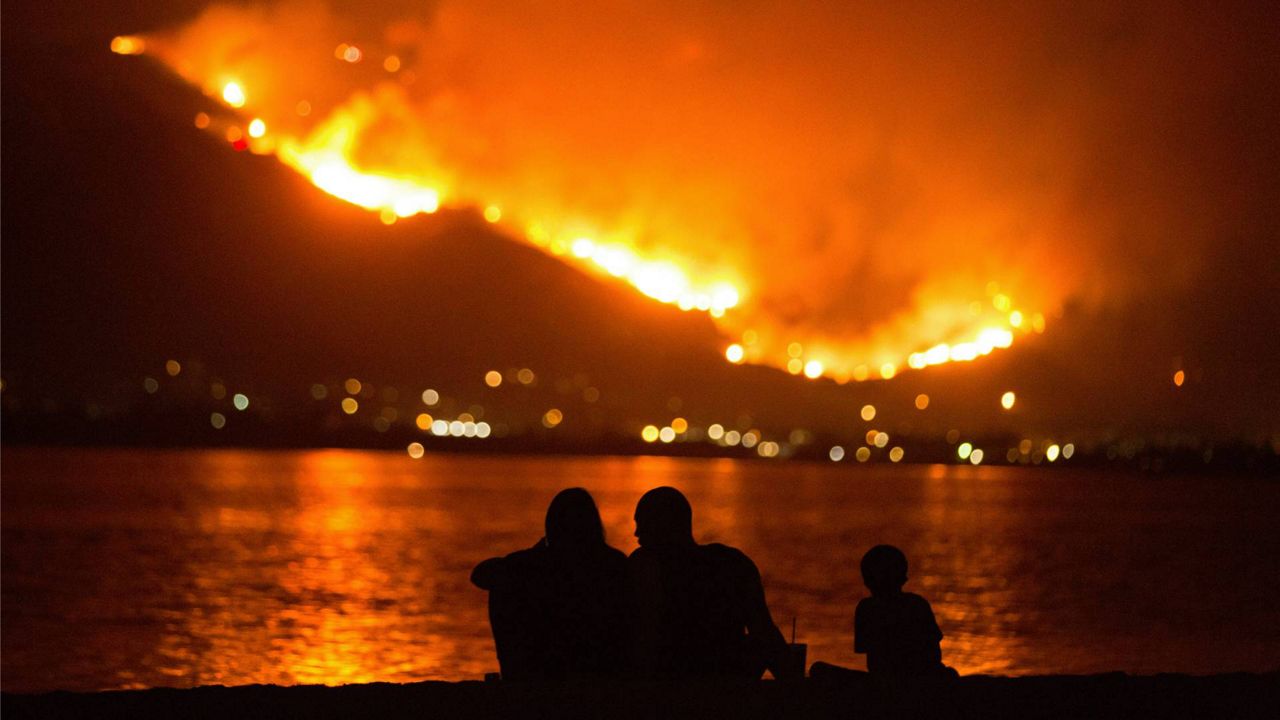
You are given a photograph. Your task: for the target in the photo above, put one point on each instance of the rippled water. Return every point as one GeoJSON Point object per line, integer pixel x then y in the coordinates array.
{"type": "Point", "coordinates": [127, 568]}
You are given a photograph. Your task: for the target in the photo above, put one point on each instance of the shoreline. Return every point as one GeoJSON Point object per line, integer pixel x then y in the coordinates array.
{"type": "Point", "coordinates": [1233, 695]}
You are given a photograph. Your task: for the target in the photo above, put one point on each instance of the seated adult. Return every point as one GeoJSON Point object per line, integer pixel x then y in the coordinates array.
{"type": "Point", "coordinates": [557, 608]}
{"type": "Point", "coordinates": [698, 610]}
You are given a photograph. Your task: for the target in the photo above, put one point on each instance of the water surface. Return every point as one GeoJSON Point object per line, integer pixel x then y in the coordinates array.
{"type": "Point", "coordinates": [140, 568]}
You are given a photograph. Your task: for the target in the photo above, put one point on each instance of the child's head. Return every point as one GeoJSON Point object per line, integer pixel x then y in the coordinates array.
{"type": "Point", "coordinates": [884, 569]}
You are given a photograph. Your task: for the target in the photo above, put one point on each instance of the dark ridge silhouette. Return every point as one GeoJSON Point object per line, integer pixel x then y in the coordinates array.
{"type": "Point", "coordinates": [699, 610]}
{"type": "Point", "coordinates": [556, 609]}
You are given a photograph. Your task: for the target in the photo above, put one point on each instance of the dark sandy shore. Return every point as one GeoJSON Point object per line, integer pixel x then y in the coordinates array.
{"type": "Point", "coordinates": [1112, 695]}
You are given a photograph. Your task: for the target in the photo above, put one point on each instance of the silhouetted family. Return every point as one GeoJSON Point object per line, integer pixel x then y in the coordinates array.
{"type": "Point", "coordinates": [572, 606]}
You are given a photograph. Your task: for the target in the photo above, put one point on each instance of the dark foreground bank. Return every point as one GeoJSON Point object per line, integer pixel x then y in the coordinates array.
{"type": "Point", "coordinates": [1113, 695]}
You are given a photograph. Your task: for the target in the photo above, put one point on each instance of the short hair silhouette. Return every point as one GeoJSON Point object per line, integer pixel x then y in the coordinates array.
{"type": "Point", "coordinates": [698, 610]}
{"type": "Point", "coordinates": [884, 569]}
{"type": "Point", "coordinates": [573, 520]}
{"type": "Point", "coordinates": [664, 516]}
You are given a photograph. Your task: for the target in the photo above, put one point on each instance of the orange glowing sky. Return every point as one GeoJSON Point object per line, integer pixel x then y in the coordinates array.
{"type": "Point", "coordinates": [853, 191]}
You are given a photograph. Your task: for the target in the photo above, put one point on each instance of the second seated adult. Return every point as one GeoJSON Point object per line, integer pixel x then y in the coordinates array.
{"type": "Point", "coordinates": [557, 609]}
{"type": "Point", "coordinates": [699, 610]}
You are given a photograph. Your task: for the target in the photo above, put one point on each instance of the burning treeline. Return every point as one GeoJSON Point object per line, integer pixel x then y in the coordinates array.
{"type": "Point", "coordinates": [852, 192]}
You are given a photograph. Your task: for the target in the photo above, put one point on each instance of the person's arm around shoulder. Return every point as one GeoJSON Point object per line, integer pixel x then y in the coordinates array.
{"type": "Point", "coordinates": [485, 575]}
{"type": "Point", "coordinates": [496, 572]}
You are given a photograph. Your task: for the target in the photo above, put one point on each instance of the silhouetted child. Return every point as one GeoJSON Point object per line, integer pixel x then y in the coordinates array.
{"type": "Point", "coordinates": [895, 629]}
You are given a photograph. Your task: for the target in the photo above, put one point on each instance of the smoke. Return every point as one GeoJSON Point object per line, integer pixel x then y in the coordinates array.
{"type": "Point", "coordinates": [870, 175]}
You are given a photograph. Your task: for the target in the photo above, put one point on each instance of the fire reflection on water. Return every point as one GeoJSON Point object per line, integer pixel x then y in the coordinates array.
{"type": "Point", "coordinates": [318, 580]}
{"type": "Point", "coordinates": [137, 569]}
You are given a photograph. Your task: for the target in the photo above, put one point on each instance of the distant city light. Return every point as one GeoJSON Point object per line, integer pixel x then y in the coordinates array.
{"type": "Point", "coordinates": [896, 454]}
{"type": "Point", "coordinates": [552, 418]}
{"type": "Point", "coordinates": [493, 378]}
{"type": "Point", "coordinates": [649, 433]}
{"type": "Point", "coordinates": [922, 401]}
{"type": "Point", "coordinates": [416, 450]}
{"type": "Point", "coordinates": [964, 451]}
{"type": "Point", "coordinates": [1051, 453]}
{"type": "Point", "coordinates": [868, 412]}
{"type": "Point", "coordinates": [1007, 400]}
{"type": "Point", "coordinates": [836, 453]}
{"type": "Point", "coordinates": [352, 386]}
{"type": "Point", "coordinates": [218, 420]}
{"type": "Point", "coordinates": [430, 397]}
{"type": "Point", "coordinates": [240, 400]}
{"type": "Point", "coordinates": [734, 353]}
{"type": "Point", "coordinates": [128, 45]}
{"type": "Point", "coordinates": [1179, 377]}
{"type": "Point", "coordinates": [863, 454]}
{"type": "Point", "coordinates": [667, 434]}
{"type": "Point", "coordinates": [173, 367]}
{"type": "Point", "coordinates": [151, 385]}
{"type": "Point", "coordinates": [975, 457]}
{"type": "Point", "coordinates": [350, 406]}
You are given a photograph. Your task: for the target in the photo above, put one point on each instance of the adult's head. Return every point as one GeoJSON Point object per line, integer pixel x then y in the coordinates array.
{"type": "Point", "coordinates": [884, 569]}
{"type": "Point", "coordinates": [573, 520]}
{"type": "Point", "coordinates": [663, 517]}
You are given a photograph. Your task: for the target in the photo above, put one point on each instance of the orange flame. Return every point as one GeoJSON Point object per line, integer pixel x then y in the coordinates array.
{"type": "Point", "coordinates": [376, 147]}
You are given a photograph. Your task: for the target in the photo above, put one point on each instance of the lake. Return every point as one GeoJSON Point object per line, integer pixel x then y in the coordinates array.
{"type": "Point", "coordinates": [142, 568]}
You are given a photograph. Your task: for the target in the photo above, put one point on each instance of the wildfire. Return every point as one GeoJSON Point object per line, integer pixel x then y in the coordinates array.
{"type": "Point", "coordinates": [344, 147]}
